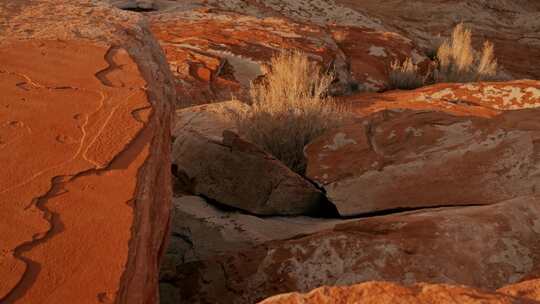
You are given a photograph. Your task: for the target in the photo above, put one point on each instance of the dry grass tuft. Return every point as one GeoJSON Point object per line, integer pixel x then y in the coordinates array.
{"type": "Point", "coordinates": [455, 61]}
{"type": "Point", "coordinates": [459, 62]}
{"type": "Point", "coordinates": [404, 76]}
{"type": "Point", "coordinates": [289, 109]}
{"type": "Point", "coordinates": [487, 67]}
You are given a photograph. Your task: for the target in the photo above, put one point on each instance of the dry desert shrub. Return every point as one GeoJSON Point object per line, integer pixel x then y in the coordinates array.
{"type": "Point", "coordinates": [458, 61]}
{"type": "Point", "coordinates": [405, 76]}
{"type": "Point", "coordinates": [289, 109]}
{"type": "Point", "coordinates": [455, 61]}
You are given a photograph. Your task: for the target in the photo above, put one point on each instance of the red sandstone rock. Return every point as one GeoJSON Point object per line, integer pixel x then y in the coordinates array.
{"type": "Point", "coordinates": [410, 159]}
{"type": "Point", "coordinates": [483, 247]}
{"type": "Point", "coordinates": [527, 289]}
{"type": "Point", "coordinates": [220, 165]}
{"type": "Point", "coordinates": [370, 54]}
{"type": "Point", "coordinates": [390, 293]}
{"type": "Point", "coordinates": [512, 25]}
{"type": "Point", "coordinates": [201, 230]}
{"type": "Point", "coordinates": [84, 132]}
{"type": "Point", "coordinates": [485, 99]}
{"type": "Point", "coordinates": [235, 48]}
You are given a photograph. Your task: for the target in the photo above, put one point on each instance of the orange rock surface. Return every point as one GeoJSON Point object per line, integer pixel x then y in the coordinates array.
{"type": "Point", "coordinates": [84, 131]}
{"type": "Point", "coordinates": [389, 293]}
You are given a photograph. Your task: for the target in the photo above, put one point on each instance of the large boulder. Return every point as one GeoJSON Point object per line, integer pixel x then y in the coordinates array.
{"type": "Point", "coordinates": [414, 159]}
{"type": "Point", "coordinates": [200, 230]}
{"type": "Point", "coordinates": [481, 246]}
{"type": "Point", "coordinates": [390, 293]}
{"type": "Point", "coordinates": [234, 172]}
{"type": "Point", "coordinates": [84, 137]}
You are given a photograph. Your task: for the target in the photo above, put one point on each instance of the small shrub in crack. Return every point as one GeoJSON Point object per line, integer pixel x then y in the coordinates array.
{"type": "Point", "coordinates": [404, 76]}
{"type": "Point", "coordinates": [289, 109]}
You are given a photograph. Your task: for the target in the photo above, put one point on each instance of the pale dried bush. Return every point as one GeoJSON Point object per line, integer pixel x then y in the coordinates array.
{"type": "Point", "coordinates": [404, 75]}
{"type": "Point", "coordinates": [289, 109]}
{"type": "Point", "coordinates": [458, 61]}
{"type": "Point", "coordinates": [487, 67]}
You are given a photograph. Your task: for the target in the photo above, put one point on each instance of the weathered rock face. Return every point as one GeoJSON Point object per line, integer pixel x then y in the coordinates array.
{"type": "Point", "coordinates": [217, 47]}
{"type": "Point", "coordinates": [482, 246]}
{"type": "Point", "coordinates": [511, 25]}
{"type": "Point", "coordinates": [204, 231]}
{"type": "Point", "coordinates": [200, 231]}
{"type": "Point", "coordinates": [529, 289]}
{"type": "Point", "coordinates": [210, 120]}
{"type": "Point", "coordinates": [458, 148]}
{"type": "Point", "coordinates": [388, 293]}
{"type": "Point", "coordinates": [216, 52]}
{"type": "Point", "coordinates": [236, 173]}
{"type": "Point", "coordinates": [84, 137]}
{"type": "Point", "coordinates": [403, 159]}
{"type": "Point", "coordinates": [484, 99]}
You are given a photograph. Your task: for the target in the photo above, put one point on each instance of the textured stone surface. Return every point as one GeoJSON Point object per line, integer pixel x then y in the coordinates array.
{"type": "Point", "coordinates": [410, 159]}
{"type": "Point", "coordinates": [215, 52]}
{"type": "Point", "coordinates": [483, 247]}
{"type": "Point", "coordinates": [484, 99]}
{"type": "Point", "coordinates": [216, 47]}
{"type": "Point", "coordinates": [238, 174]}
{"type": "Point", "coordinates": [201, 230]}
{"type": "Point", "coordinates": [389, 293]}
{"type": "Point", "coordinates": [511, 25]}
{"type": "Point", "coordinates": [529, 289]}
{"type": "Point", "coordinates": [84, 135]}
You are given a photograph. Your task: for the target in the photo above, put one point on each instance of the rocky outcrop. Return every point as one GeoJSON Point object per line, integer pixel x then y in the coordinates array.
{"type": "Point", "coordinates": [389, 293]}
{"type": "Point", "coordinates": [482, 99]}
{"type": "Point", "coordinates": [238, 174]}
{"type": "Point", "coordinates": [483, 247]}
{"type": "Point", "coordinates": [200, 231]}
{"type": "Point", "coordinates": [413, 159]}
{"type": "Point", "coordinates": [511, 25]}
{"type": "Point", "coordinates": [84, 137]}
{"type": "Point", "coordinates": [216, 52]}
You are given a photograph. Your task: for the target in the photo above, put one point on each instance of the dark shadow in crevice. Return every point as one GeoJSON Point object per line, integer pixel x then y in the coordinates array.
{"type": "Point", "coordinates": [327, 210]}
{"type": "Point", "coordinates": [138, 9]}
{"type": "Point", "coordinates": [399, 210]}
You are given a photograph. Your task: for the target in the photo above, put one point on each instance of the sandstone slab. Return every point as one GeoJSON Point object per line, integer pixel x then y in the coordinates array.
{"type": "Point", "coordinates": [413, 159]}
{"type": "Point", "coordinates": [389, 293]}
{"type": "Point", "coordinates": [527, 289]}
{"type": "Point", "coordinates": [483, 99]}
{"type": "Point", "coordinates": [201, 230]}
{"type": "Point", "coordinates": [84, 135]}
{"type": "Point", "coordinates": [484, 247]}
